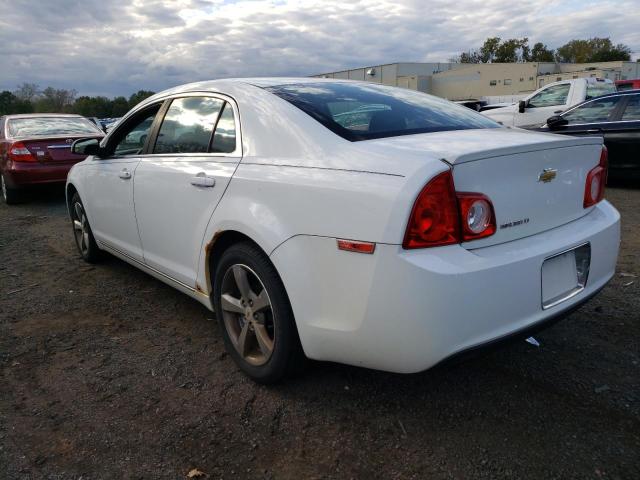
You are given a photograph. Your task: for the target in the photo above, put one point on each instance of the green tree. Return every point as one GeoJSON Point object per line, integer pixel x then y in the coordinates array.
{"type": "Point", "coordinates": [9, 104]}
{"type": "Point", "coordinates": [6, 102]}
{"type": "Point", "coordinates": [469, 57]}
{"type": "Point", "coordinates": [488, 49]}
{"type": "Point", "coordinates": [139, 96]}
{"type": "Point", "coordinates": [593, 50]}
{"type": "Point", "coordinates": [540, 53]}
{"type": "Point", "coordinates": [27, 92]}
{"type": "Point", "coordinates": [54, 100]}
{"type": "Point", "coordinates": [507, 51]}
{"type": "Point", "coordinates": [119, 106]}
{"type": "Point", "coordinates": [93, 106]}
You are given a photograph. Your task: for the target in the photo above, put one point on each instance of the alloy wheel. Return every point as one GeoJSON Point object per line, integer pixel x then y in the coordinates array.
{"type": "Point", "coordinates": [81, 228]}
{"type": "Point", "coordinates": [248, 314]}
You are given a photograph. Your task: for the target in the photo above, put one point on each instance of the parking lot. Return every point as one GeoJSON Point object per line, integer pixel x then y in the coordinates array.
{"type": "Point", "coordinates": [108, 373]}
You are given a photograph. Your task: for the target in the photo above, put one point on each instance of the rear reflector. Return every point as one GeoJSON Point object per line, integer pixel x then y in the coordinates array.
{"type": "Point", "coordinates": [477, 216]}
{"type": "Point", "coordinates": [19, 153]}
{"type": "Point", "coordinates": [596, 181]}
{"type": "Point", "coordinates": [359, 247]}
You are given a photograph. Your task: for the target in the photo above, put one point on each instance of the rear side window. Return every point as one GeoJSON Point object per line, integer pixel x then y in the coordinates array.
{"type": "Point", "coordinates": [598, 110]}
{"type": "Point", "coordinates": [555, 95]}
{"type": "Point", "coordinates": [632, 110]}
{"type": "Point", "coordinates": [357, 111]}
{"type": "Point", "coordinates": [188, 125]}
{"type": "Point", "coordinates": [224, 140]}
{"type": "Point", "coordinates": [600, 88]}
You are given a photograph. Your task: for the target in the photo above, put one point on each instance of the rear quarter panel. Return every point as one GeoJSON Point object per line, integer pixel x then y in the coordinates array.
{"type": "Point", "coordinates": [272, 203]}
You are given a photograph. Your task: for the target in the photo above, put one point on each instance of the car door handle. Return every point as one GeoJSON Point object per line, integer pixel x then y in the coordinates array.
{"type": "Point", "coordinates": [202, 180]}
{"type": "Point", "coordinates": [124, 173]}
{"type": "Point", "coordinates": [557, 112]}
{"type": "Point", "coordinates": [594, 130]}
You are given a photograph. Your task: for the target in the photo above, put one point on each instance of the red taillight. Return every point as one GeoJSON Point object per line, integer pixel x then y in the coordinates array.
{"type": "Point", "coordinates": [434, 219]}
{"type": "Point", "coordinates": [596, 181]}
{"type": "Point", "coordinates": [442, 216]}
{"type": "Point", "coordinates": [19, 153]}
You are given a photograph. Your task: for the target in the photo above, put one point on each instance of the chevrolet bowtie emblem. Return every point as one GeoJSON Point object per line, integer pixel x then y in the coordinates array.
{"type": "Point", "coordinates": [547, 175]}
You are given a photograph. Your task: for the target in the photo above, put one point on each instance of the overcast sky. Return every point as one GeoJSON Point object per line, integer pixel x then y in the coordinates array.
{"type": "Point", "coordinates": [114, 47]}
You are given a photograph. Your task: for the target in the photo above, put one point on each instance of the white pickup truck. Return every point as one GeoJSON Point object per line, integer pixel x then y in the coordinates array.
{"type": "Point", "coordinates": [550, 100]}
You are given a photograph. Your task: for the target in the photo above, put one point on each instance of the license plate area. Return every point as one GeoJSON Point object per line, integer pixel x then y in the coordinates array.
{"type": "Point", "coordinates": [564, 275]}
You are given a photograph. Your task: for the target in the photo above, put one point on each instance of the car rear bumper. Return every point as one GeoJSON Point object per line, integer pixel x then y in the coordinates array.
{"type": "Point", "coordinates": [33, 173]}
{"type": "Point", "coordinates": [407, 310]}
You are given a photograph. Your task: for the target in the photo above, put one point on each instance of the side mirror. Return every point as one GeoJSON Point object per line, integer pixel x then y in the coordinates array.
{"type": "Point", "coordinates": [522, 105]}
{"type": "Point", "coordinates": [86, 147]}
{"type": "Point", "coordinates": [556, 122]}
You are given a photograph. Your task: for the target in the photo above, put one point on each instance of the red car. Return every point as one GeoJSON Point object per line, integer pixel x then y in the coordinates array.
{"type": "Point", "coordinates": [36, 149]}
{"type": "Point", "coordinates": [622, 85]}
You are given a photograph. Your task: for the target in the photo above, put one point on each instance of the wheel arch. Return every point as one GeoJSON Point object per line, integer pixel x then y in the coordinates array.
{"type": "Point", "coordinates": [70, 190]}
{"type": "Point", "coordinates": [214, 249]}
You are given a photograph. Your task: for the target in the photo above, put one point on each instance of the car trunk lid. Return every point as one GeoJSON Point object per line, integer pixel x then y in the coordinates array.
{"type": "Point", "coordinates": [532, 190]}
{"type": "Point", "coordinates": [53, 149]}
{"type": "Point", "coordinates": [536, 181]}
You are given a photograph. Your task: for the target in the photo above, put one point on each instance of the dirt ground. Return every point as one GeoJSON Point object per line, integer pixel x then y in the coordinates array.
{"type": "Point", "coordinates": [107, 373]}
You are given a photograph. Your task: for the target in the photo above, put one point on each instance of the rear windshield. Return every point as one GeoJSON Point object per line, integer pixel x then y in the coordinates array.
{"type": "Point", "coordinates": [357, 111]}
{"type": "Point", "coordinates": [599, 88]}
{"type": "Point", "coordinates": [45, 126]}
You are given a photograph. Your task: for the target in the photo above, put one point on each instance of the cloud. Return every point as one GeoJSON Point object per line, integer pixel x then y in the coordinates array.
{"type": "Point", "coordinates": [119, 46]}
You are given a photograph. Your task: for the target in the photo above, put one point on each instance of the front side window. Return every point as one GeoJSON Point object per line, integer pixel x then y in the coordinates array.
{"type": "Point", "coordinates": [549, 97]}
{"type": "Point", "coordinates": [188, 125]}
{"type": "Point", "coordinates": [591, 112]}
{"type": "Point", "coordinates": [358, 111]}
{"type": "Point", "coordinates": [632, 110]}
{"type": "Point", "coordinates": [131, 137]}
{"type": "Point", "coordinates": [50, 126]}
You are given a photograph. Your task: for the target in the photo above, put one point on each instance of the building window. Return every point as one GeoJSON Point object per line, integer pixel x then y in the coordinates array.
{"type": "Point", "coordinates": [522, 79]}
{"type": "Point", "coordinates": [531, 79]}
{"type": "Point", "coordinates": [507, 81]}
{"type": "Point", "coordinates": [558, 79]}
{"type": "Point", "coordinates": [493, 83]}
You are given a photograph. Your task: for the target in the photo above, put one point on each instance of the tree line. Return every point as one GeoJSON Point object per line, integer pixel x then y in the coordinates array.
{"type": "Point", "coordinates": [514, 50]}
{"type": "Point", "coordinates": [29, 98]}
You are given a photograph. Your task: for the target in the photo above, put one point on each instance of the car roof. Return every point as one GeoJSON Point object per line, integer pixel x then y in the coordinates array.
{"type": "Point", "coordinates": [234, 86]}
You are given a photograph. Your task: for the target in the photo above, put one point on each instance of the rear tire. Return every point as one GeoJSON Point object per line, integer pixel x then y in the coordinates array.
{"type": "Point", "coordinates": [82, 233]}
{"type": "Point", "coordinates": [255, 316]}
{"type": "Point", "coordinates": [10, 195]}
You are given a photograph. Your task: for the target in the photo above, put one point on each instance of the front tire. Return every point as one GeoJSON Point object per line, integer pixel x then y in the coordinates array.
{"type": "Point", "coordinates": [82, 233]}
{"type": "Point", "coordinates": [255, 316]}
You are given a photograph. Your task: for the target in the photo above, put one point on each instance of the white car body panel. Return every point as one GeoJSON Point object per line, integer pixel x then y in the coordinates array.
{"type": "Point", "coordinates": [296, 187]}
{"type": "Point", "coordinates": [405, 311]}
{"type": "Point", "coordinates": [109, 203]}
{"type": "Point", "coordinates": [173, 247]}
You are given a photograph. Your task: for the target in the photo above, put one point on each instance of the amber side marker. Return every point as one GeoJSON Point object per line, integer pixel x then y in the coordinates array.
{"type": "Point", "coordinates": [359, 247]}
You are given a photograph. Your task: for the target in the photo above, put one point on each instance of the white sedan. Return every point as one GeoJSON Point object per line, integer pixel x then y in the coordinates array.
{"type": "Point", "coordinates": [346, 221]}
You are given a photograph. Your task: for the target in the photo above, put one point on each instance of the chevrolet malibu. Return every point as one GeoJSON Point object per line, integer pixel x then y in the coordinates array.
{"type": "Point", "coordinates": [36, 149]}
{"type": "Point", "coordinates": [345, 221]}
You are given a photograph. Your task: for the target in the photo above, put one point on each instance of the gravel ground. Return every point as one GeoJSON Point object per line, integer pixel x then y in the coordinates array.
{"type": "Point", "coordinates": [107, 373]}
